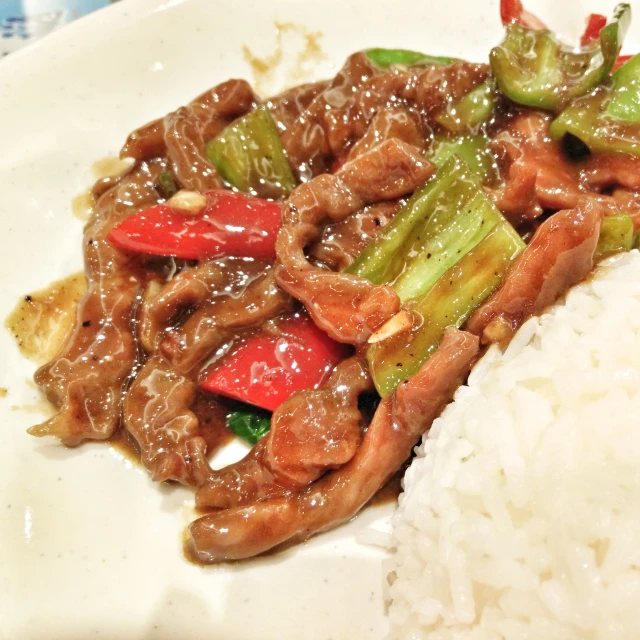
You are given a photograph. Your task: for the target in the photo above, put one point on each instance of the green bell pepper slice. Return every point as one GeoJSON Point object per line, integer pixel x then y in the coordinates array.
{"type": "Point", "coordinates": [385, 58]}
{"type": "Point", "coordinates": [472, 110]}
{"type": "Point", "coordinates": [533, 69]}
{"type": "Point", "coordinates": [472, 149]}
{"type": "Point", "coordinates": [435, 228]}
{"type": "Point", "coordinates": [616, 235]}
{"type": "Point", "coordinates": [248, 154]}
{"type": "Point", "coordinates": [609, 118]}
{"type": "Point", "coordinates": [450, 302]}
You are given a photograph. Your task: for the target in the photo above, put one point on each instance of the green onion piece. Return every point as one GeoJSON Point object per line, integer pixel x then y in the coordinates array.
{"type": "Point", "coordinates": [616, 235]}
{"type": "Point", "coordinates": [249, 425]}
{"type": "Point", "coordinates": [385, 58]}
{"type": "Point", "coordinates": [609, 118]}
{"type": "Point", "coordinates": [471, 110]}
{"type": "Point", "coordinates": [410, 250]}
{"type": "Point", "coordinates": [472, 149]}
{"type": "Point", "coordinates": [533, 69]}
{"type": "Point", "coordinates": [449, 303]}
{"type": "Point", "coordinates": [248, 154]}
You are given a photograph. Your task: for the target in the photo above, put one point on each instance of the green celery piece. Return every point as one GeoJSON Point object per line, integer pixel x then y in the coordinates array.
{"type": "Point", "coordinates": [624, 103]}
{"type": "Point", "coordinates": [414, 231]}
{"type": "Point", "coordinates": [609, 118]}
{"type": "Point", "coordinates": [472, 149]}
{"type": "Point", "coordinates": [616, 235]}
{"type": "Point", "coordinates": [249, 425]}
{"type": "Point", "coordinates": [248, 154]}
{"type": "Point", "coordinates": [471, 110]}
{"type": "Point", "coordinates": [449, 303]}
{"type": "Point", "coordinates": [533, 69]}
{"type": "Point", "coordinates": [385, 58]}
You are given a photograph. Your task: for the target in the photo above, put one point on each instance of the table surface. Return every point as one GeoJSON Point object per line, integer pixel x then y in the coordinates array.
{"type": "Point", "coordinates": [22, 21]}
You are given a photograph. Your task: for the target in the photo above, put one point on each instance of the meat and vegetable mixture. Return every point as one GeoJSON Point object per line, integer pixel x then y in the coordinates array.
{"type": "Point", "coordinates": [318, 271]}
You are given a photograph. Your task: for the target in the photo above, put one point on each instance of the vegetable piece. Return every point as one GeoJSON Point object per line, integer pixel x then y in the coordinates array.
{"type": "Point", "coordinates": [616, 235]}
{"type": "Point", "coordinates": [269, 366]}
{"type": "Point", "coordinates": [249, 155]}
{"type": "Point", "coordinates": [620, 61]}
{"type": "Point", "coordinates": [437, 226]}
{"type": "Point", "coordinates": [471, 110]}
{"type": "Point", "coordinates": [532, 68]}
{"type": "Point", "coordinates": [609, 118]}
{"type": "Point", "coordinates": [472, 149]}
{"type": "Point", "coordinates": [512, 11]}
{"type": "Point", "coordinates": [385, 58]}
{"type": "Point", "coordinates": [251, 426]}
{"type": "Point", "coordinates": [595, 23]}
{"type": "Point", "coordinates": [449, 303]}
{"type": "Point", "coordinates": [230, 224]}
{"type": "Point", "coordinates": [168, 186]}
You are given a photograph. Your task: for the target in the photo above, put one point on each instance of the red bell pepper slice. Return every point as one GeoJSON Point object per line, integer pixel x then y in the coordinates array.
{"type": "Point", "coordinates": [595, 22]}
{"type": "Point", "coordinates": [230, 224]}
{"type": "Point", "coordinates": [620, 61]}
{"type": "Point", "coordinates": [512, 11]}
{"type": "Point", "coordinates": [269, 366]}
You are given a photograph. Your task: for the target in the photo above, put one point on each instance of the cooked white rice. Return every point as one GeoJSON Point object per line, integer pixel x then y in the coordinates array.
{"type": "Point", "coordinates": [520, 517]}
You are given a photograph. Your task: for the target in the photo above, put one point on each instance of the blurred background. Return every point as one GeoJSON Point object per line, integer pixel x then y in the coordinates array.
{"type": "Point", "coordinates": [22, 21]}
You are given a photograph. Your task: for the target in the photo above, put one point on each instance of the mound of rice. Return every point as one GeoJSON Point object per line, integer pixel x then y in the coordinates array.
{"type": "Point", "coordinates": [520, 517]}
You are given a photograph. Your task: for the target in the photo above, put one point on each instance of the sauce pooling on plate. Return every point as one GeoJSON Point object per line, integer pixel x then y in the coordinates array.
{"type": "Point", "coordinates": [317, 272]}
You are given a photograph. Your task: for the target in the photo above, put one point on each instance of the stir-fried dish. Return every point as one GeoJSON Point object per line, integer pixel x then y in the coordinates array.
{"type": "Point", "coordinates": [318, 271]}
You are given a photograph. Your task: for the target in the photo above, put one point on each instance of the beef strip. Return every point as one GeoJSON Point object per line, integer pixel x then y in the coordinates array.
{"type": "Point", "coordinates": [213, 110]}
{"type": "Point", "coordinates": [347, 307]}
{"type": "Point", "coordinates": [305, 140]}
{"type": "Point", "coordinates": [603, 170]}
{"type": "Point", "coordinates": [559, 255]}
{"type": "Point", "coordinates": [86, 379]}
{"type": "Point", "coordinates": [185, 145]}
{"type": "Point", "coordinates": [254, 301]}
{"type": "Point", "coordinates": [157, 414]}
{"type": "Point", "coordinates": [398, 423]}
{"type": "Point", "coordinates": [342, 242]}
{"type": "Point", "coordinates": [537, 173]}
{"type": "Point", "coordinates": [312, 432]}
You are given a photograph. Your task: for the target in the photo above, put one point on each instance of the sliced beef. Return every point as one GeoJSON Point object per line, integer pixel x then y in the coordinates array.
{"type": "Point", "coordinates": [398, 423]}
{"type": "Point", "coordinates": [312, 432]}
{"type": "Point", "coordinates": [559, 255]}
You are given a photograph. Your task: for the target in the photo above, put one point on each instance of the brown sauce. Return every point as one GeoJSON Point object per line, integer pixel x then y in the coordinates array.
{"type": "Point", "coordinates": [3, 392]}
{"type": "Point", "coordinates": [299, 63]}
{"type": "Point", "coordinates": [123, 443]}
{"type": "Point", "coordinates": [110, 167]}
{"type": "Point", "coordinates": [42, 320]}
{"type": "Point", "coordinates": [82, 206]}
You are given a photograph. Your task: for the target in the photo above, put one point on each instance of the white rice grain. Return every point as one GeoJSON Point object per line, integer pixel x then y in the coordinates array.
{"type": "Point", "coordinates": [520, 517]}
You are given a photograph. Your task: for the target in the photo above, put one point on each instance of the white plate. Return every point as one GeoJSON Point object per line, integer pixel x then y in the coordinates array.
{"type": "Point", "coordinates": [89, 547]}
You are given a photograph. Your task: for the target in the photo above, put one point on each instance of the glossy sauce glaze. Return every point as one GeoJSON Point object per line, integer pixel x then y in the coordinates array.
{"type": "Point", "coordinates": [150, 329]}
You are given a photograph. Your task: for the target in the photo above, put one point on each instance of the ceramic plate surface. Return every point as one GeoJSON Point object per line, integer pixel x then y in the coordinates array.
{"type": "Point", "coordinates": [89, 546]}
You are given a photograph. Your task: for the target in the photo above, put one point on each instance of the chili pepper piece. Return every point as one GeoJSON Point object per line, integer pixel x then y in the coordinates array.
{"type": "Point", "coordinates": [268, 367]}
{"type": "Point", "coordinates": [249, 155]}
{"type": "Point", "coordinates": [595, 23]}
{"type": "Point", "coordinates": [251, 426]}
{"type": "Point", "coordinates": [230, 224]}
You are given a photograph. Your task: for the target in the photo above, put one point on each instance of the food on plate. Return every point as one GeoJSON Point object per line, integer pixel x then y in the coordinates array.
{"type": "Point", "coordinates": [317, 272]}
{"type": "Point", "coordinates": [519, 517]}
